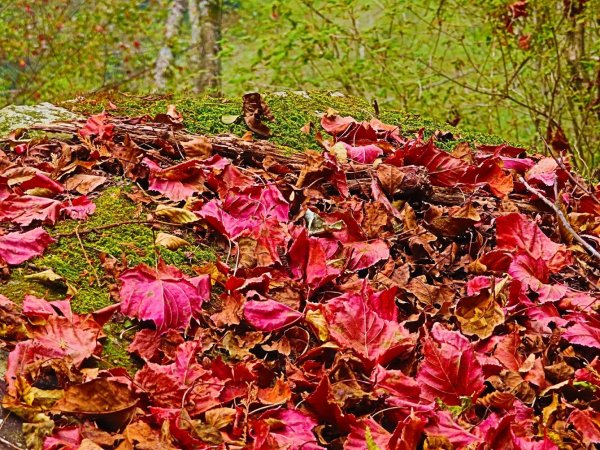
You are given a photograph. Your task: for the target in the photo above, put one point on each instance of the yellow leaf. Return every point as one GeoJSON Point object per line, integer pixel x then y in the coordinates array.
{"type": "Point", "coordinates": [170, 241]}
{"type": "Point", "coordinates": [175, 215]}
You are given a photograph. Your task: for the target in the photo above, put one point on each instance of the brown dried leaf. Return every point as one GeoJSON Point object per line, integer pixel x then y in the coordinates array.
{"type": "Point", "coordinates": [199, 148]}
{"type": "Point", "coordinates": [83, 183]}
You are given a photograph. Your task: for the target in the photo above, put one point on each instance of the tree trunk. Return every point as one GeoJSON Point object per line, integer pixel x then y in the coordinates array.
{"type": "Point", "coordinates": [165, 55]}
{"type": "Point", "coordinates": [209, 75]}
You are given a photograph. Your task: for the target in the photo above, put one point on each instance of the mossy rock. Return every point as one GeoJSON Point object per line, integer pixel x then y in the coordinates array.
{"type": "Point", "coordinates": [292, 110]}
{"type": "Point", "coordinates": [76, 257]}
{"type": "Point", "coordinates": [13, 117]}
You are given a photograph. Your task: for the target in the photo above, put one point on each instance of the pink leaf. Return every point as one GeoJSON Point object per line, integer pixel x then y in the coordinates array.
{"type": "Point", "coordinates": [99, 126]}
{"type": "Point", "coordinates": [39, 180]}
{"type": "Point", "coordinates": [269, 315]}
{"type": "Point", "coordinates": [257, 201]}
{"type": "Point", "coordinates": [364, 154]}
{"type": "Point", "coordinates": [16, 248]}
{"type": "Point", "coordinates": [585, 332]}
{"type": "Point", "coordinates": [450, 369]}
{"type": "Point", "coordinates": [308, 261]}
{"type": "Point", "coordinates": [291, 428]}
{"type": "Point", "coordinates": [79, 208]}
{"type": "Point", "coordinates": [177, 182]}
{"type": "Point", "coordinates": [166, 297]}
{"type": "Point", "coordinates": [26, 208]}
{"type": "Point", "coordinates": [365, 433]}
{"type": "Point", "coordinates": [444, 425]}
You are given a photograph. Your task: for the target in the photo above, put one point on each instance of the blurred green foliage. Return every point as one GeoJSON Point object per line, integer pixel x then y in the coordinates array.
{"type": "Point", "coordinates": [519, 69]}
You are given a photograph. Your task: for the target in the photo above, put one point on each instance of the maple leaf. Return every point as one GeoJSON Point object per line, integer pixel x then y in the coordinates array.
{"type": "Point", "coordinates": [98, 126]}
{"type": "Point", "coordinates": [354, 325]}
{"type": "Point", "coordinates": [16, 248]}
{"type": "Point", "coordinates": [516, 232]}
{"type": "Point", "coordinates": [367, 434]}
{"type": "Point", "coordinates": [366, 254]}
{"type": "Point", "coordinates": [79, 208]}
{"type": "Point", "coordinates": [308, 261]}
{"type": "Point", "coordinates": [269, 315]}
{"type": "Point", "coordinates": [444, 169]}
{"type": "Point", "coordinates": [257, 201]}
{"type": "Point", "coordinates": [165, 296]}
{"type": "Point", "coordinates": [42, 181]}
{"type": "Point", "coordinates": [585, 331]}
{"type": "Point", "coordinates": [177, 182]}
{"type": "Point", "coordinates": [442, 424]}
{"type": "Point", "coordinates": [289, 428]}
{"type": "Point", "coordinates": [449, 370]}
{"type": "Point", "coordinates": [25, 209]}
{"type": "Point", "coordinates": [167, 384]}
{"type": "Point", "coordinates": [213, 213]}
{"type": "Point", "coordinates": [587, 423]}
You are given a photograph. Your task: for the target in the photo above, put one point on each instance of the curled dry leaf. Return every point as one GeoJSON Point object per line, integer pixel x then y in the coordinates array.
{"type": "Point", "coordinates": [255, 110]}
{"type": "Point", "coordinates": [170, 241]}
{"type": "Point", "coordinates": [175, 215]}
{"type": "Point", "coordinates": [108, 401]}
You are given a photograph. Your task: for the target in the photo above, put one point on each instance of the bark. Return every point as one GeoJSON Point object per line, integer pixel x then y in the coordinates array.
{"type": "Point", "coordinates": [165, 55]}
{"type": "Point", "coordinates": [209, 74]}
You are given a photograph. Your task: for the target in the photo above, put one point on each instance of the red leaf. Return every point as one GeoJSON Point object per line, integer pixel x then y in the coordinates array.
{"type": "Point", "coordinates": [167, 384]}
{"type": "Point", "coordinates": [26, 208]}
{"type": "Point", "coordinates": [177, 182]}
{"type": "Point", "coordinates": [516, 232]}
{"type": "Point", "coordinates": [365, 433]}
{"type": "Point", "coordinates": [99, 126]}
{"type": "Point", "coordinates": [269, 315]}
{"type": "Point", "coordinates": [39, 180]}
{"type": "Point", "coordinates": [16, 248]}
{"type": "Point", "coordinates": [308, 261]}
{"type": "Point", "coordinates": [366, 254]}
{"type": "Point", "coordinates": [354, 325]}
{"type": "Point", "coordinates": [166, 297]}
{"type": "Point", "coordinates": [587, 423]}
{"type": "Point", "coordinates": [444, 169]}
{"type": "Point", "coordinates": [442, 424]}
{"type": "Point", "coordinates": [79, 208]}
{"type": "Point", "coordinates": [214, 214]}
{"type": "Point", "coordinates": [450, 369]}
{"type": "Point", "coordinates": [257, 201]}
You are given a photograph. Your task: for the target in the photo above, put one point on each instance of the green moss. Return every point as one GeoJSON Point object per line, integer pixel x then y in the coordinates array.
{"type": "Point", "coordinates": [203, 115]}
{"type": "Point", "coordinates": [114, 349]}
{"type": "Point", "coordinates": [132, 242]}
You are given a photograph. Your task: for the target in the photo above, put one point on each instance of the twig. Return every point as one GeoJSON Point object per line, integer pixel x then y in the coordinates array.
{"type": "Point", "coordinates": [87, 258]}
{"type": "Point", "coordinates": [562, 218]}
{"type": "Point", "coordinates": [115, 225]}
{"type": "Point", "coordinates": [9, 444]}
{"type": "Point", "coordinates": [569, 174]}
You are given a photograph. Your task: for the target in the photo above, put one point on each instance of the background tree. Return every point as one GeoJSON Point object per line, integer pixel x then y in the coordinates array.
{"type": "Point", "coordinates": [528, 70]}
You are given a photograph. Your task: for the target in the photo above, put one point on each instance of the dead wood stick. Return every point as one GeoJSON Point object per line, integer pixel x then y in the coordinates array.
{"type": "Point", "coordinates": [254, 152]}
{"type": "Point", "coordinates": [562, 219]}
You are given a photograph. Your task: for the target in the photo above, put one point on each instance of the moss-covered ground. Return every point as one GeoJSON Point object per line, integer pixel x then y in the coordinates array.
{"type": "Point", "coordinates": [76, 258]}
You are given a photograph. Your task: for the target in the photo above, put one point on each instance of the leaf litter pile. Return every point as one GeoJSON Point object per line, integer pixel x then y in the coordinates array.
{"type": "Point", "coordinates": [380, 294]}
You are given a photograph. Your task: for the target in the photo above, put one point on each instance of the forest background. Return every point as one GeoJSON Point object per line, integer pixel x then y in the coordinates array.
{"type": "Point", "coordinates": [528, 71]}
